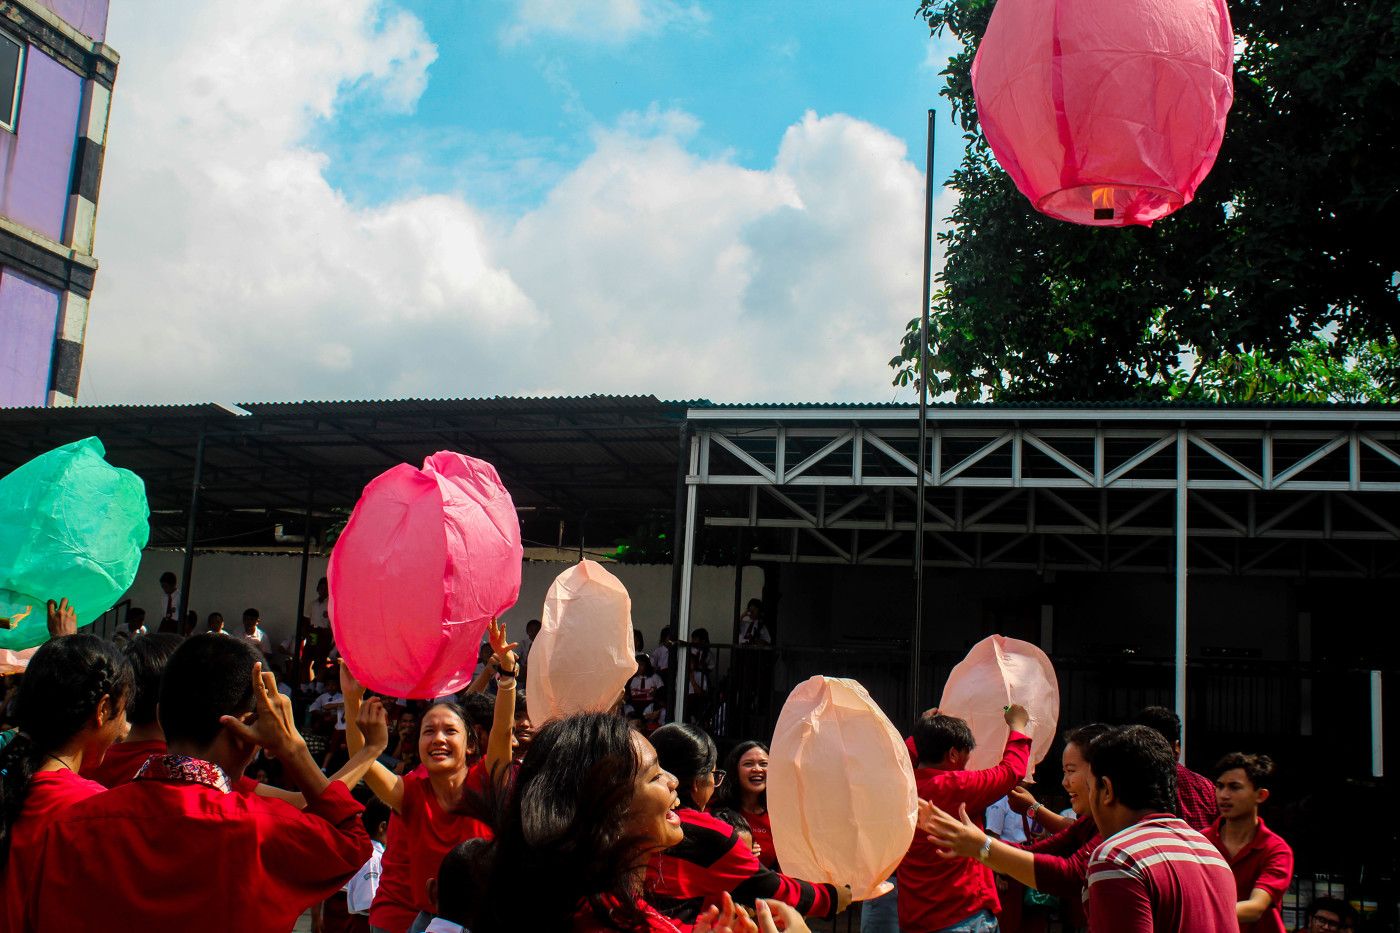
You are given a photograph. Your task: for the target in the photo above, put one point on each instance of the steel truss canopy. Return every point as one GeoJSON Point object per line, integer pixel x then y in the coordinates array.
{"type": "Point", "coordinates": [1270, 491]}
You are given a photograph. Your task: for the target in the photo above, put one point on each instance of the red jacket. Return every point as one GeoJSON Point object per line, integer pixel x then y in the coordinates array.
{"type": "Point", "coordinates": [711, 860]}
{"type": "Point", "coordinates": [155, 855]}
{"type": "Point", "coordinates": [937, 892]}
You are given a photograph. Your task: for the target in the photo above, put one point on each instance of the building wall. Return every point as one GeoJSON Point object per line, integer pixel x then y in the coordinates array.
{"type": "Point", "coordinates": [230, 583]}
{"type": "Point", "coordinates": [28, 324]}
{"type": "Point", "coordinates": [88, 17]}
{"type": "Point", "coordinates": [36, 161]}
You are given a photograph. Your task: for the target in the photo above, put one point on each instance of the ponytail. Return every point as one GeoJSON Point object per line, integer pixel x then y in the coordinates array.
{"type": "Point", "coordinates": [62, 688]}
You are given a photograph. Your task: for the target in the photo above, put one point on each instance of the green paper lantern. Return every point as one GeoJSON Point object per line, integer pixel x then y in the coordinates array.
{"type": "Point", "coordinates": [71, 525]}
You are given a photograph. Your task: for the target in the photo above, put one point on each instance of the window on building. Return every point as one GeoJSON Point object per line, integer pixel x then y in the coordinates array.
{"type": "Point", "coordinates": [11, 68]}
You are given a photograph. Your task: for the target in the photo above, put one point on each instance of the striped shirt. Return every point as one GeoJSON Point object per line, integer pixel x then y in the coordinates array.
{"type": "Point", "coordinates": [1160, 876]}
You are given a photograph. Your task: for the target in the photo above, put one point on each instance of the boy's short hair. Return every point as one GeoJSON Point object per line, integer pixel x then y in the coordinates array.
{"type": "Point", "coordinates": [207, 677]}
{"type": "Point", "coordinates": [1166, 722]}
{"type": "Point", "coordinates": [1141, 765]}
{"type": "Point", "coordinates": [249, 614]}
{"type": "Point", "coordinates": [459, 881]}
{"type": "Point", "coordinates": [1258, 768]}
{"type": "Point", "coordinates": [148, 655]}
{"type": "Point", "coordinates": [376, 814]}
{"type": "Point", "coordinates": [935, 735]}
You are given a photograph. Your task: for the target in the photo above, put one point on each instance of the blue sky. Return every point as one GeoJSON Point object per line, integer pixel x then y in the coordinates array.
{"type": "Point", "coordinates": [350, 199]}
{"type": "Point", "coordinates": [503, 118]}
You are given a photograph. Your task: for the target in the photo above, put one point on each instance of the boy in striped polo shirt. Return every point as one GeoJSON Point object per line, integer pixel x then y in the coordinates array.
{"type": "Point", "coordinates": [1152, 873]}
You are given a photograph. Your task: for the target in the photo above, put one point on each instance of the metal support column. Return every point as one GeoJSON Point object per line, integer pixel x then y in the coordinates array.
{"type": "Point", "coordinates": [1377, 726]}
{"type": "Point", "coordinates": [916, 642]}
{"type": "Point", "coordinates": [687, 574]}
{"type": "Point", "coordinates": [187, 571]}
{"type": "Point", "coordinates": [1181, 525]}
{"type": "Point", "coordinates": [300, 628]}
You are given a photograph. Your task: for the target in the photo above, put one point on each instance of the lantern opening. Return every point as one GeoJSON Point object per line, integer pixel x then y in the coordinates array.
{"type": "Point", "coordinates": [1110, 205]}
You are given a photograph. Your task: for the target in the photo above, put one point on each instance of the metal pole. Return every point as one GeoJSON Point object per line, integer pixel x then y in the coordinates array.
{"type": "Point", "coordinates": [1377, 727]}
{"type": "Point", "coordinates": [299, 632]}
{"type": "Point", "coordinates": [687, 572]}
{"type": "Point", "coordinates": [187, 571]}
{"type": "Point", "coordinates": [916, 643]}
{"type": "Point", "coordinates": [1181, 501]}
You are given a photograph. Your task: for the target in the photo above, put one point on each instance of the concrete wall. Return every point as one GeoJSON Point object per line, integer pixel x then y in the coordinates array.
{"type": "Point", "coordinates": [88, 17]}
{"type": "Point", "coordinates": [28, 325]}
{"type": "Point", "coordinates": [230, 583]}
{"type": "Point", "coordinates": [36, 160]}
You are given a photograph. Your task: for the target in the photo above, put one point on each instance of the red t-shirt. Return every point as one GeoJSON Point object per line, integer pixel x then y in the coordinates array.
{"type": "Point", "coordinates": [937, 892]}
{"type": "Point", "coordinates": [122, 762]}
{"type": "Point", "coordinates": [1159, 876]}
{"type": "Point", "coordinates": [392, 908]}
{"type": "Point", "coordinates": [152, 854]}
{"type": "Point", "coordinates": [1062, 860]}
{"type": "Point", "coordinates": [1195, 798]}
{"type": "Point", "coordinates": [761, 828]}
{"type": "Point", "coordinates": [428, 833]}
{"type": "Point", "coordinates": [50, 793]}
{"type": "Point", "coordinates": [586, 920]}
{"type": "Point", "coordinates": [1265, 862]}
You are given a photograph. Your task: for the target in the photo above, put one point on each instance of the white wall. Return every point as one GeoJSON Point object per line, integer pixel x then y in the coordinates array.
{"type": "Point", "coordinates": [230, 583]}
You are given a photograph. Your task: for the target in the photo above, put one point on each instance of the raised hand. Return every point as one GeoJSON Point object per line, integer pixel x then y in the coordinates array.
{"type": "Point", "coordinates": [774, 916]}
{"type": "Point", "coordinates": [724, 917]}
{"type": "Point", "coordinates": [350, 686]}
{"type": "Point", "coordinates": [63, 619]}
{"type": "Point", "coordinates": [373, 723]}
{"type": "Point", "coordinates": [273, 726]}
{"type": "Point", "coordinates": [504, 652]}
{"type": "Point", "coordinates": [955, 836]}
{"type": "Point", "coordinates": [1020, 800]}
{"type": "Point", "coordinates": [1017, 718]}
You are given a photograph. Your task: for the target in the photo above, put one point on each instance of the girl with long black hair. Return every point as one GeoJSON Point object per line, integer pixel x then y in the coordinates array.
{"type": "Point", "coordinates": [70, 709]}
{"type": "Point", "coordinates": [746, 793]}
{"type": "Point", "coordinates": [712, 858]}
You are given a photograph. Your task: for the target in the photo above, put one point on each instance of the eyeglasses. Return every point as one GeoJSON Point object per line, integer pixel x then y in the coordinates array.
{"type": "Point", "coordinates": [719, 776]}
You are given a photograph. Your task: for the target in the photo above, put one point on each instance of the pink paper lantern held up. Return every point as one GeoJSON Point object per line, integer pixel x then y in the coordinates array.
{"type": "Point", "coordinates": [997, 672]}
{"type": "Point", "coordinates": [841, 793]}
{"type": "Point", "coordinates": [1106, 112]}
{"type": "Point", "coordinates": [584, 654]}
{"type": "Point", "coordinates": [427, 559]}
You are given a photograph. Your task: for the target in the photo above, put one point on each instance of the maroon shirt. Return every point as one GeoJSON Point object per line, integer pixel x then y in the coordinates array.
{"type": "Point", "coordinates": [1160, 876]}
{"type": "Point", "coordinates": [1265, 862]}
{"type": "Point", "coordinates": [1062, 860]}
{"type": "Point", "coordinates": [1195, 797]}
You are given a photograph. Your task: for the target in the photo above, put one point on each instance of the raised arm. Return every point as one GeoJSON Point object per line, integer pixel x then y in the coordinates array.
{"type": "Point", "coordinates": [387, 785]}
{"type": "Point", "coordinates": [1024, 802]}
{"type": "Point", "coordinates": [500, 746]}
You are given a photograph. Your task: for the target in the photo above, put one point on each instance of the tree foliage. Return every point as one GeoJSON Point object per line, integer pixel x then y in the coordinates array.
{"type": "Point", "coordinates": [1279, 281]}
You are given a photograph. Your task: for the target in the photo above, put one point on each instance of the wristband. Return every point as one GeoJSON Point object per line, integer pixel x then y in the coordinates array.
{"type": "Point", "coordinates": [504, 681]}
{"type": "Point", "coordinates": [986, 850]}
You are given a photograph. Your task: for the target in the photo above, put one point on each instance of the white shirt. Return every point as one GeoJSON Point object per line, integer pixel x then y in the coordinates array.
{"type": "Point", "coordinates": [439, 925]}
{"type": "Point", "coordinates": [259, 639]}
{"type": "Point", "coordinates": [169, 605]}
{"type": "Point", "coordinates": [661, 658]}
{"type": "Point", "coordinates": [1007, 824]}
{"type": "Point", "coordinates": [753, 631]}
{"type": "Point", "coordinates": [319, 612]}
{"type": "Point", "coordinates": [361, 888]}
{"type": "Point", "coordinates": [324, 700]}
{"type": "Point", "coordinates": [125, 631]}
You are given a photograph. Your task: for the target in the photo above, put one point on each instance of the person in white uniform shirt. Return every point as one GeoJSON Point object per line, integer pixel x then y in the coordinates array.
{"type": "Point", "coordinates": [360, 890]}
{"type": "Point", "coordinates": [253, 632]}
{"type": "Point", "coordinates": [169, 603]}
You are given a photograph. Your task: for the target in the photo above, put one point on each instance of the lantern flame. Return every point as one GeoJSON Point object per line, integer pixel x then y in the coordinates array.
{"type": "Point", "coordinates": [1103, 203]}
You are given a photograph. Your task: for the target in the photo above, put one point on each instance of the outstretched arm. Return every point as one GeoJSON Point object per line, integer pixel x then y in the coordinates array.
{"type": "Point", "coordinates": [500, 745]}
{"type": "Point", "coordinates": [387, 785]}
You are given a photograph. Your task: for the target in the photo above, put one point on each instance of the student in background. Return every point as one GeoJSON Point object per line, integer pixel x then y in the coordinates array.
{"type": "Point", "coordinates": [148, 656]}
{"type": "Point", "coordinates": [1261, 861]}
{"type": "Point", "coordinates": [1195, 793]}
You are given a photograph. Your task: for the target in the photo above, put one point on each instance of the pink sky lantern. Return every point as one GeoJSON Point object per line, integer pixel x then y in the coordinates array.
{"type": "Point", "coordinates": [427, 559]}
{"type": "Point", "coordinates": [841, 794]}
{"type": "Point", "coordinates": [997, 672]}
{"type": "Point", "coordinates": [1105, 112]}
{"type": "Point", "coordinates": [584, 654]}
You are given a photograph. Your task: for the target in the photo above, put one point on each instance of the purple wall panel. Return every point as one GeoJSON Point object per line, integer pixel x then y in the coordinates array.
{"type": "Point", "coordinates": [36, 160]}
{"type": "Point", "coordinates": [28, 326]}
{"type": "Point", "coordinates": [87, 16]}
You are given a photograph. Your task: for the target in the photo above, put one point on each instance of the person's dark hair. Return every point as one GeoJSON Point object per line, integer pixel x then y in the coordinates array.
{"type": "Point", "coordinates": [565, 822]}
{"type": "Point", "coordinates": [250, 614]}
{"type": "Point", "coordinates": [733, 818]}
{"type": "Point", "coordinates": [687, 751]}
{"type": "Point", "coordinates": [728, 794]}
{"type": "Point", "coordinates": [522, 708]}
{"type": "Point", "coordinates": [1166, 722]}
{"type": "Point", "coordinates": [213, 616]}
{"type": "Point", "coordinates": [1258, 768]}
{"type": "Point", "coordinates": [135, 614]}
{"type": "Point", "coordinates": [665, 634]}
{"type": "Point", "coordinates": [1141, 765]}
{"type": "Point", "coordinates": [755, 603]}
{"type": "Point", "coordinates": [644, 668]}
{"type": "Point", "coordinates": [62, 688]}
{"type": "Point", "coordinates": [1081, 736]}
{"type": "Point", "coordinates": [376, 814]}
{"type": "Point", "coordinates": [937, 735]}
{"type": "Point", "coordinates": [459, 879]}
{"type": "Point", "coordinates": [207, 677]}
{"type": "Point", "coordinates": [534, 622]}
{"type": "Point", "coordinates": [148, 655]}
{"type": "Point", "coordinates": [168, 577]}
{"type": "Point", "coordinates": [1344, 911]}
{"type": "Point", "coordinates": [476, 709]}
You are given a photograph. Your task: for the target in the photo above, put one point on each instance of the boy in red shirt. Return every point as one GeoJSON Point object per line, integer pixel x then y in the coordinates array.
{"type": "Point", "coordinates": [122, 862]}
{"type": "Point", "coordinates": [938, 893]}
{"type": "Point", "coordinates": [1152, 873]}
{"type": "Point", "coordinates": [1261, 861]}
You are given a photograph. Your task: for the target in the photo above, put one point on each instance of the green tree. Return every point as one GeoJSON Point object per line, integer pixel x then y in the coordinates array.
{"type": "Point", "coordinates": [1280, 279]}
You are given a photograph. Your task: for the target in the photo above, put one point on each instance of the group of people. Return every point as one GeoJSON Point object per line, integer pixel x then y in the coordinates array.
{"type": "Point", "coordinates": [134, 764]}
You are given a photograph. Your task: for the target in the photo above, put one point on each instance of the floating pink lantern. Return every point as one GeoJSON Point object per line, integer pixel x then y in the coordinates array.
{"type": "Point", "coordinates": [997, 672]}
{"type": "Point", "coordinates": [1105, 112]}
{"type": "Point", "coordinates": [427, 559]}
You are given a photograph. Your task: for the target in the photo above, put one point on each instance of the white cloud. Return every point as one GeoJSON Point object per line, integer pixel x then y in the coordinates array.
{"type": "Point", "coordinates": [232, 270]}
{"type": "Point", "coordinates": [609, 22]}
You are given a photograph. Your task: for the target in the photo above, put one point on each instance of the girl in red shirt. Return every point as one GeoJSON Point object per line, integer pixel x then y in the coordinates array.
{"type": "Point", "coordinates": [590, 808]}
{"type": "Point", "coordinates": [72, 707]}
{"type": "Point", "coordinates": [428, 821]}
{"type": "Point", "coordinates": [747, 792]}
